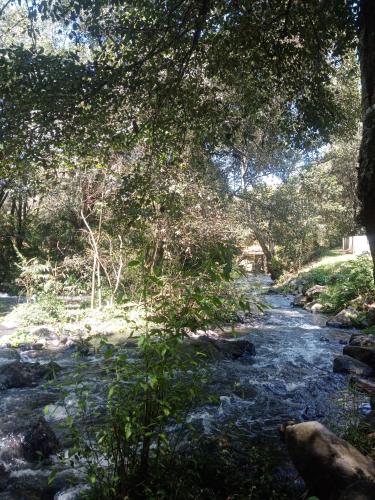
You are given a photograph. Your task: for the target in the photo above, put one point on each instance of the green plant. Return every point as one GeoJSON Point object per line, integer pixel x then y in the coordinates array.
{"type": "Point", "coordinates": [275, 268]}
{"type": "Point", "coordinates": [349, 281]}
{"type": "Point", "coordinates": [344, 282]}
{"type": "Point", "coordinates": [370, 330]}
{"type": "Point", "coordinates": [352, 427]}
{"type": "Point", "coordinates": [47, 309]}
{"type": "Point", "coordinates": [146, 393]}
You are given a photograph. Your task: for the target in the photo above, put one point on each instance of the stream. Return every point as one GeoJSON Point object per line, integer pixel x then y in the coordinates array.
{"type": "Point", "coordinates": [289, 378]}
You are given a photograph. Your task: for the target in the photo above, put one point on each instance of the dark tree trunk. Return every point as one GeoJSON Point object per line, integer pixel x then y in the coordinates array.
{"type": "Point", "coordinates": [366, 167]}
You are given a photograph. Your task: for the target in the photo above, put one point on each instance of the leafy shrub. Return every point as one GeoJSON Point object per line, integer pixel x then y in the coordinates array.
{"type": "Point", "coordinates": [351, 280]}
{"type": "Point", "coordinates": [127, 440]}
{"type": "Point", "coordinates": [47, 309]}
{"type": "Point", "coordinates": [144, 396]}
{"type": "Point", "coordinates": [370, 330]}
{"type": "Point", "coordinates": [344, 282]}
{"type": "Point", "coordinates": [276, 268]}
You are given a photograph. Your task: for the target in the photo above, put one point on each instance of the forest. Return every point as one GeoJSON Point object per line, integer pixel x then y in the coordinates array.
{"type": "Point", "coordinates": [187, 249]}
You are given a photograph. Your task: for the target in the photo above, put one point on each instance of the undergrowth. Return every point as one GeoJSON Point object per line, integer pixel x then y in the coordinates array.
{"type": "Point", "coordinates": [344, 282]}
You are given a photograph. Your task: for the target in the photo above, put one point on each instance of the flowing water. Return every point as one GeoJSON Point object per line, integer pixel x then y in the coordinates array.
{"type": "Point", "coordinates": [290, 378]}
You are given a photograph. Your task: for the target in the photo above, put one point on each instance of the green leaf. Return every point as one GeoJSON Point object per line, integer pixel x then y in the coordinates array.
{"type": "Point", "coordinates": [128, 430]}
{"type": "Point", "coordinates": [52, 476]}
{"type": "Point", "coordinates": [134, 263]}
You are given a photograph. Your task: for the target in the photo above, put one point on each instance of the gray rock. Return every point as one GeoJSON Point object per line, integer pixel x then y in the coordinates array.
{"type": "Point", "coordinates": [327, 463]}
{"type": "Point", "coordinates": [219, 349]}
{"type": "Point", "coordinates": [344, 319]}
{"type": "Point", "coordinates": [362, 340]}
{"type": "Point", "coordinates": [314, 291]}
{"type": "Point", "coordinates": [38, 346]}
{"type": "Point", "coordinates": [346, 364]}
{"type": "Point", "coordinates": [18, 374]}
{"type": "Point", "coordinates": [309, 305]}
{"type": "Point", "coordinates": [316, 307]}
{"type": "Point", "coordinates": [299, 300]}
{"type": "Point", "coordinates": [234, 348]}
{"type": "Point", "coordinates": [39, 441]}
{"type": "Point", "coordinates": [364, 354]}
{"type": "Point", "coordinates": [9, 353]}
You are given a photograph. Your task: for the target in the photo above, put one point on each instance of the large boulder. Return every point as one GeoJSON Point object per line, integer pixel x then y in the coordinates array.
{"type": "Point", "coordinates": [364, 354]}
{"type": "Point", "coordinates": [349, 365]}
{"type": "Point", "coordinates": [344, 319]}
{"type": "Point", "coordinates": [39, 441]}
{"type": "Point", "coordinates": [18, 374]}
{"type": "Point", "coordinates": [235, 348]}
{"type": "Point", "coordinates": [327, 463]}
{"type": "Point", "coordinates": [219, 349]}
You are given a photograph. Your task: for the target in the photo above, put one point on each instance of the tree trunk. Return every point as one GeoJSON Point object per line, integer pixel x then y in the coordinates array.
{"type": "Point", "coordinates": [268, 254]}
{"type": "Point", "coordinates": [366, 167]}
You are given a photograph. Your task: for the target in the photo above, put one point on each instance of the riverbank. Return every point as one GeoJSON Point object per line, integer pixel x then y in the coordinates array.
{"type": "Point", "coordinates": [339, 284]}
{"type": "Point", "coordinates": [289, 378]}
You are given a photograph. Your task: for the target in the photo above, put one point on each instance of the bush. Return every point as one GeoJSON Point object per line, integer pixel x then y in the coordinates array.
{"type": "Point", "coordinates": [351, 280]}
{"type": "Point", "coordinates": [132, 428]}
{"type": "Point", "coordinates": [47, 309]}
{"type": "Point", "coordinates": [344, 282]}
{"type": "Point", "coordinates": [275, 268]}
{"type": "Point", "coordinates": [145, 393]}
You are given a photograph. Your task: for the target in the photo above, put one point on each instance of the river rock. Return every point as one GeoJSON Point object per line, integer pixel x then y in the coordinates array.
{"type": "Point", "coordinates": [313, 306]}
{"type": "Point", "coordinates": [8, 355]}
{"type": "Point", "coordinates": [316, 307]}
{"type": "Point", "coordinates": [18, 374]}
{"type": "Point", "coordinates": [218, 349]}
{"type": "Point", "coordinates": [37, 346]}
{"type": "Point", "coordinates": [344, 319]}
{"type": "Point", "coordinates": [360, 490]}
{"type": "Point", "coordinates": [39, 441]}
{"type": "Point", "coordinates": [314, 291]}
{"type": "Point", "coordinates": [235, 348]}
{"type": "Point", "coordinates": [299, 300]}
{"type": "Point", "coordinates": [347, 364]}
{"type": "Point", "coordinates": [364, 354]}
{"type": "Point", "coordinates": [327, 463]}
{"type": "Point", "coordinates": [359, 339]}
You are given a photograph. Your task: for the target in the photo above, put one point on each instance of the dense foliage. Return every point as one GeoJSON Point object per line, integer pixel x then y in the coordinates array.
{"type": "Point", "coordinates": [143, 144]}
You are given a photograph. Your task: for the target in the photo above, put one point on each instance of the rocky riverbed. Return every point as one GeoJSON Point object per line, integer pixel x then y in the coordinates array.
{"type": "Point", "coordinates": [277, 367]}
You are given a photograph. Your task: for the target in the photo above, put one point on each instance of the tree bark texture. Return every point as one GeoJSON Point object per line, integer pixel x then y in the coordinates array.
{"type": "Point", "coordinates": [366, 167]}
